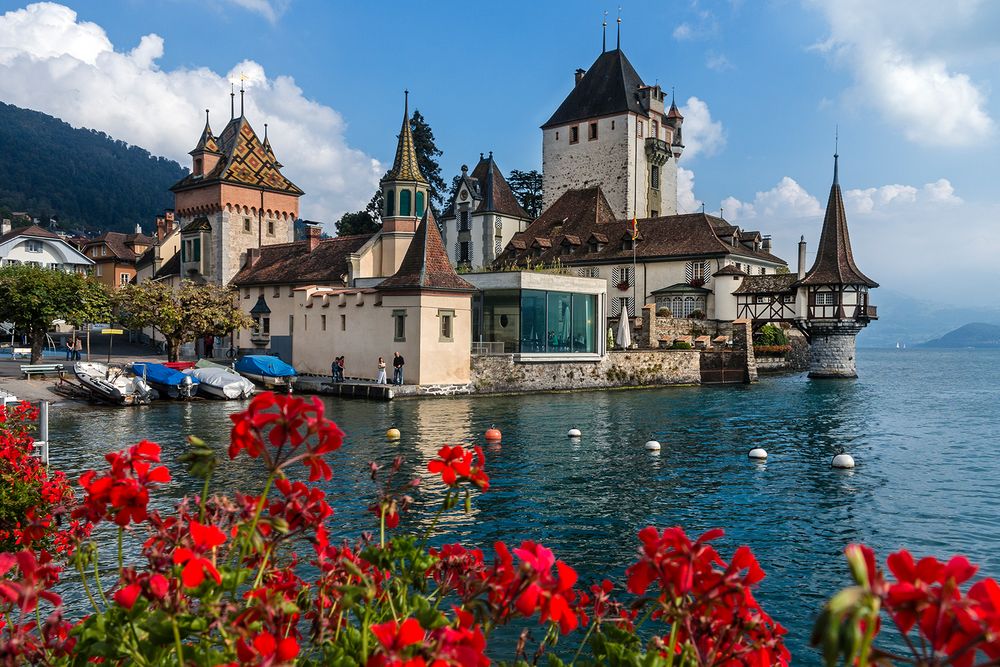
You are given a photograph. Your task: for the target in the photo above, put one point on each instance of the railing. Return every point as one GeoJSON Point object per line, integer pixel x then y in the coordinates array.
{"type": "Point", "coordinates": [260, 338]}
{"type": "Point", "coordinates": [656, 145]}
{"type": "Point", "coordinates": [867, 313]}
{"type": "Point", "coordinates": [483, 349]}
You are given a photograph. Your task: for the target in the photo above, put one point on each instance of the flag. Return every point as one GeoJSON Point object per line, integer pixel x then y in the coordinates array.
{"type": "Point", "coordinates": [635, 228]}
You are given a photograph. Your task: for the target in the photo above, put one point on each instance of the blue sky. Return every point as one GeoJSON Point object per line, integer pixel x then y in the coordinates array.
{"type": "Point", "coordinates": [763, 85]}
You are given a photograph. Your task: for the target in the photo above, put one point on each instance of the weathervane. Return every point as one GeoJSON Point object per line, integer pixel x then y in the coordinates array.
{"type": "Point", "coordinates": [243, 78]}
{"type": "Point", "coordinates": [619, 44]}
{"type": "Point", "coordinates": [604, 33]}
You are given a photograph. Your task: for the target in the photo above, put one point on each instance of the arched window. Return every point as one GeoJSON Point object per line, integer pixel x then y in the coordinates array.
{"type": "Point", "coordinates": [420, 203]}
{"type": "Point", "coordinates": [404, 202]}
{"type": "Point", "coordinates": [390, 202]}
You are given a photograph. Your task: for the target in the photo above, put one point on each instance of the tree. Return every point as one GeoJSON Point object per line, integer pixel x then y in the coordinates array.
{"type": "Point", "coordinates": [527, 187]}
{"type": "Point", "coordinates": [367, 221]}
{"type": "Point", "coordinates": [427, 154]}
{"type": "Point", "coordinates": [180, 315]}
{"type": "Point", "coordinates": [32, 298]}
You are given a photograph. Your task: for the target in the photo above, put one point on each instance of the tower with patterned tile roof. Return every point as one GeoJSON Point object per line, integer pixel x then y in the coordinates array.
{"type": "Point", "coordinates": [234, 199]}
{"type": "Point", "coordinates": [404, 196]}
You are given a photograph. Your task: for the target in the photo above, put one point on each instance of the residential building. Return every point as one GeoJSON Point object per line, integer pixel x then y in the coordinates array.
{"type": "Point", "coordinates": [483, 217]}
{"type": "Point", "coordinates": [115, 255]}
{"type": "Point", "coordinates": [35, 246]}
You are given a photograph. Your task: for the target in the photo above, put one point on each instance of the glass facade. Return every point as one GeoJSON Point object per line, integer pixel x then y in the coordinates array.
{"type": "Point", "coordinates": [536, 321]}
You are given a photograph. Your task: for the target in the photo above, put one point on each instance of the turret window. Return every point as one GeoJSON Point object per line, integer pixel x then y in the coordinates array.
{"type": "Point", "coordinates": [390, 202]}
{"type": "Point", "coordinates": [825, 299]}
{"type": "Point", "coordinates": [420, 203]}
{"type": "Point", "coordinates": [404, 202]}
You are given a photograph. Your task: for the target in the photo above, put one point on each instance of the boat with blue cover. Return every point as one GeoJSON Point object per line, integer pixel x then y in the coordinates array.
{"type": "Point", "coordinates": [266, 370]}
{"type": "Point", "coordinates": [167, 381]}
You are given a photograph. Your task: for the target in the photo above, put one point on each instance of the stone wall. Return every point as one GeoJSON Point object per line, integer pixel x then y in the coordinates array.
{"type": "Point", "coordinates": [833, 350]}
{"type": "Point", "coordinates": [650, 329]}
{"type": "Point", "coordinates": [637, 368]}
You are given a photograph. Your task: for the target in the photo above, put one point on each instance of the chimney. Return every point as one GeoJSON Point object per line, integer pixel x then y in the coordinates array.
{"type": "Point", "coordinates": [578, 75]}
{"type": "Point", "coordinates": [5, 226]}
{"type": "Point", "coordinates": [161, 228]}
{"type": "Point", "coordinates": [253, 254]}
{"type": "Point", "coordinates": [766, 244]}
{"type": "Point", "coordinates": [138, 228]}
{"type": "Point", "coordinates": [312, 236]}
{"type": "Point", "coordinates": [802, 258]}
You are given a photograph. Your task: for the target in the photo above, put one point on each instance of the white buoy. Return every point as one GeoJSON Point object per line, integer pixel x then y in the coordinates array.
{"type": "Point", "coordinates": [843, 461]}
{"type": "Point", "coordinates": [574, 433]}
{"type": "Point", "coordinates": [758, 453]}
{"type": "Point", "coordinates": [653, 446]}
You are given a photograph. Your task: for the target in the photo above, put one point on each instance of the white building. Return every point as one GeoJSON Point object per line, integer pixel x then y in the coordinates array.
{"type": "Point", "coordinates": [612, 131]}
{"type": "Point", "coordinates": [483, 218]}
{"type": "Point", "coordinates": [35, 246]}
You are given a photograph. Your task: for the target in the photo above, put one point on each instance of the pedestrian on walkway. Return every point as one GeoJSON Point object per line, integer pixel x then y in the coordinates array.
{"type": "Point", "coordinates": [69, 349]}
{"type": "Point", "coordinates": [340, 368]}
{"type": "Point", "coordinates": [78, 349]}
{"type": "Point", "coordinates": [380, 378]}
{"type": "Point", "coordinates": [336, 370]}
{"type": "Point", "coordinates": [397, 368]}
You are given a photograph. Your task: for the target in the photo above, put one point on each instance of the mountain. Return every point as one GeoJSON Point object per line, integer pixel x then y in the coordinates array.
{"type": "Point", "coordinates": [977, 334]}
{"type": "Point", "coordinates": [903, 319]}
{"type": "Point", "coordinates": [84, 178]}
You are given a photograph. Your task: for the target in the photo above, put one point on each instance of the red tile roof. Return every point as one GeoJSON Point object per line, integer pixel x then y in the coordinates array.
{"type": "Point", "coordinates": [30, 230]}
{"type": "Point", "coordinates": [121, 244]}
{"type": "Point", "coordinates": [293, 263]}
{"type": "Point", "coordinates": [425, 265]}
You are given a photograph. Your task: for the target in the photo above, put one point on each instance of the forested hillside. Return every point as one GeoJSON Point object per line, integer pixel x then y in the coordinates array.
{"type": "Point", "coordinates": [84, 178]}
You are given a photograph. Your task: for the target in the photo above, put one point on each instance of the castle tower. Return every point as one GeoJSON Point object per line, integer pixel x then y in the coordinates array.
{"type": "Point", "coordinates": [404, 196]}
{"type": "Point", "coordinates": [835, 293]}
{"type": "Point", "coordinates": [235, 198]}
{"type": "Point", "coordinates": [612, 130]}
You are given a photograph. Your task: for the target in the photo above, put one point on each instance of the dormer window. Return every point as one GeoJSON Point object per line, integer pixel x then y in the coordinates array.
{"type": "Point", "coordinates": [627, 243]}
{"type": "Point", "coordinates": [197, 166]}
{"type": "Point", "coordinates": [594, 246]}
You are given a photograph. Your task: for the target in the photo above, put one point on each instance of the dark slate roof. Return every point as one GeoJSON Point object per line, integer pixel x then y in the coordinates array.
{"type": "Point", "coordinates": [773, 283]}
{"type": "Point", "coordinates": [610, 86]}
{"type": "Point", "coordinates": [495, 191]}
{"type": "Point", "coordinates": [425, 265]}
{"type": "Point", "coordinates": [199, 224]}
{"type": "Point", "coordinates": [171, 267]}
{"type": "Point", "coordinates": [585, 213]}
{"type": "Point", "coordinates": [679, 288]}
{"type": "Point", "coordinates": [293, 263]}
{"type": "Point", "coordinates": [729, 270]}
{"type": "Point", "coordinates": [261, 307]}
{"type": "Point", "coordinates": [244, 161]}
{"type": "Point", "coordinates": [834, 263]}
{"type": "Point", "coordinates": [30, 230]}
{"type": "Point", "coordinates": [207, 142]}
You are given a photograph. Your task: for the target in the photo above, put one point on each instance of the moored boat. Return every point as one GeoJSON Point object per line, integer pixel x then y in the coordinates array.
{"type": "Point", "coordinates": [112, 385]}
{"type": "Point", "coordinates": [167, 381]}
{"type": "Point", "coordinates": [266, 370]}
{"type": "Point", "coordinates": [218, 382]}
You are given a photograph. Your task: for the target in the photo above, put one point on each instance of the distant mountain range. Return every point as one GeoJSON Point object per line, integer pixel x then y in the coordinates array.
{"type": "Point", "coordinates": [84, 178]}
{"type": "Point", "coordinates": [909, 321]}
{"type": "Point", "coordinates": [977, 334]}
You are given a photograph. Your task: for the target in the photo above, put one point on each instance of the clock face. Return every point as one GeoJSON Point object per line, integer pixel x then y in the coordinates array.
{"type": "Point", "coordinates": [464, 195]}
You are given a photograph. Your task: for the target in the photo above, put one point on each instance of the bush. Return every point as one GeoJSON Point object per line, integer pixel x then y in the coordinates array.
{"type": "Point", "coordinates": [697, 315]}
{"type": "Point", "coordinates": [771, 350]}
{"type": "Point", "coordinates": [664, 312]}
{"type": "Point", "coordinates": [680, 345]}
{"type": "Point", "coordinates": [771, 335]}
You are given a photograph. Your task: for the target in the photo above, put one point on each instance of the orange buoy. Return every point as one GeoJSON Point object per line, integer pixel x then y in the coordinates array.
{"type": "Point", "coordinates": [493, 433]}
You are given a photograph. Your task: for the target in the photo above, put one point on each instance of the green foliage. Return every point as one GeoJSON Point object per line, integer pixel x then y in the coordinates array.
{"type": "Point", "coordinates": [32, 297]}
{"type": "Point", "coordinates": [83, 177]}
{"type": "Point", "coordinates": [770, 335]}
{"type": "Point", "coordinates": [527, 187]}
{"type": "Point", "coordinates": [180, 315]}
{"type": "Point", "coordinates": [17, 496]}
{"type": "Point", "coordinates": [367, 221]}
{"type": "Point", "coordinates": [427, 154]}
{"type": "Point", "coordinates": [680, 345]}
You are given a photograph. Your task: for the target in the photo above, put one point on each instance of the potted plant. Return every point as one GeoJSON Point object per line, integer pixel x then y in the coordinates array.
{"type": "Point", "coordinates": [623, 285]}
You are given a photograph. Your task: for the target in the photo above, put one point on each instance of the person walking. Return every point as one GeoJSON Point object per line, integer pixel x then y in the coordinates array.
{"type": "Point", "coordinates": [380, 378]}
{"type": "Point", "coordinates": [336, 371]}
{"type": "Point", "coordinates": [340, 368]}
{"type": "Point", "coordinates": [397, 368]}
{"type": "Point", "coordinates": [78, 349]}
{"type": "Point", "coordinates": [70, 353]}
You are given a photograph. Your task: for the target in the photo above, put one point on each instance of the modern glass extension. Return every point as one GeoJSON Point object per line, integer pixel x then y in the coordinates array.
{"type": "Point", "coordinates": [536, 321]}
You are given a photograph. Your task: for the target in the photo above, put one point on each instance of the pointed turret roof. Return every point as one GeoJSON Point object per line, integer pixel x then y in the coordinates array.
{"type": "Point", "coordinates": [405, 166]}
{"type": "Point", "coordinates": [245, 161]}
{"type": "Point", "coordinates": [610, 86]}
{"type": "Point", "coordinates": [426, 265]}
{"type": "Point", "coordinates": [495, 191]}
{"type": "Point", "coordinates": [834, 263]}
{"type": "Point", "coordinates": [207, 142]}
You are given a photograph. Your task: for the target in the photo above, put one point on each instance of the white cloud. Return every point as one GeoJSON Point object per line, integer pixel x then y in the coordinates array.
{"type": "Point", "coordinates": [269, 10]}
{"type": "Point", "coordinates": [683, 31]}
{"type": "Point", "coordinates": [895, 196]}
{"type": "Point", "coordinates": [686, 201]}
{"type": "Point", "coordinates": [701, 133]}
{"type": "Point", "coordinates": [787, 199]}
{"type": "Point", "coordinates": [901, 64]}
{"type": "Point", "coordinates": [52, 62]}
{"type": "Point", "coordinates": [718, 62]}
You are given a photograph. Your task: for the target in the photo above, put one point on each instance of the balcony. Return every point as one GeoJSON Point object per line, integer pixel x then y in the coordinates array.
{"type": "Point", "coordinates": [866, 313]}
{"type": "Point", "coordinates": [260, 338]}
{"type": "Point", "coordinates": [657, 150]}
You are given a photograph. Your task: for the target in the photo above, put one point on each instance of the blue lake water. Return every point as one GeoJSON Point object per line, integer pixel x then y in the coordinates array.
{"type": "Point", "coordinates": [922, 426]}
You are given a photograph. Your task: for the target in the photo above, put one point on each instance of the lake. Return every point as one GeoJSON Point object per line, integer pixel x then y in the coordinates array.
{"type": "Point", "coordinates": [922, 426]}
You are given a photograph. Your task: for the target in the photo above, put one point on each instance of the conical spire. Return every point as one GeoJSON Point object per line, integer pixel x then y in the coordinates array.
{"type": "Point", "coordinates": [405, 166]}
{"type": "Point", "coordinates": [207, 142]}
{"type": "Point", "coordinates": [425, 265]}
{"type": "Point", "coordinates": [834, 263]}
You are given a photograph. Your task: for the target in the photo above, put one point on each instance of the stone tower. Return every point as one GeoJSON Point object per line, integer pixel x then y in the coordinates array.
{"type": "Point", "coordinates": [612, 130]}
{"type": "Point", "coordinates": [835, 295]}
{"type": "Point", "coordinates": [404, 196]}
{"type": "Point", "coordinates": [235, 198]}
